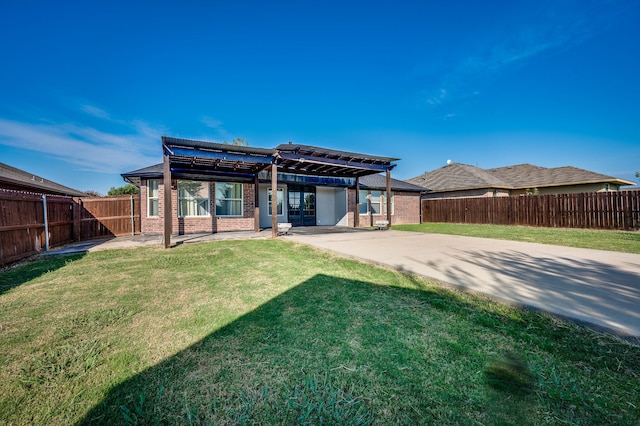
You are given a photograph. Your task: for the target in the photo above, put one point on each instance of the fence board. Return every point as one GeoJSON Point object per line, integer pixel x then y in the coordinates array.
{"type": "Point", "coordinates": [597, 210]}
{"type": "Point", "coordinates": [22, 229]}
{"type": "Point", "coordinates": [101, 217]}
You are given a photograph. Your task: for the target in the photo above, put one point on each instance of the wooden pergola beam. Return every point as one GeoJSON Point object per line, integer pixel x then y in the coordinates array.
{"type": "Point", "coordinates": [356, 212]}
{"type": "Point", "coordinates": [256, 202]}
{"type": "Point", "coordinates": [274, 200]}
{"type": "Point", "coordinates": [388, 198]}
{"type": "Point", "coordinates": [167, 201]}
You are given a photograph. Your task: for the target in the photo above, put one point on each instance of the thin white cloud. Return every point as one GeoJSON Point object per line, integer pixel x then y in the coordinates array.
{"type": "Point", "coordinates": [87, 148]}
{"type": "Point", "coordinates": [212, 123]}
{"type": "Point", "coordinates": [437, 98]}
{"type": "Point", "coordinates": [556, 29]}
{"type": "Point", "coordinates": [95, 111]}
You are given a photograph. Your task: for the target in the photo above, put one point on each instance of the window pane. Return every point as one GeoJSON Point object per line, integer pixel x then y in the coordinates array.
{"type": "Point", "coordinates": [279, 201]}
{"type": "Point", "coordinates": [153, 188]}
{"type": "Point", "coordinates": [363, 201]}
{"type": "Point", "coordinates": [152, 197]}
{"type": "Point", "coordinates": [153, 207]}
{"type": "Point", "coordinates": [228, 199]}
{"type": "Point", "coordinates": [193, 198]}
{"type": "Point", "coordinates": [229, 208]}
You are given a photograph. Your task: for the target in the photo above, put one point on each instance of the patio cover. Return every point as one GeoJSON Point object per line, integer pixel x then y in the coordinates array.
{"type": "Point", "coordinates": [183, 157]}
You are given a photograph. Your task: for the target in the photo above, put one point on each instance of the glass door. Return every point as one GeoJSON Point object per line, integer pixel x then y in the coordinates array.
{"type": "Point", "coordinates": [302, 205]}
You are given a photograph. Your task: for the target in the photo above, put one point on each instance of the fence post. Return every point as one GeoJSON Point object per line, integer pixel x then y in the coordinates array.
{"type": "Point", "coordinates": [133, 223]}
{"type": "Point", "coordinates": [77, 204]}
{"type": "Point", "coordinates": [46, 223]}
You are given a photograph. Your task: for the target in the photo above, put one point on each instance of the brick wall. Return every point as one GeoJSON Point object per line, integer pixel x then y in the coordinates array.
{"type": "Point", "coordinates": [244, 223]}
{"type": "Point", "coordinates": [406, 209]}
{"type": "Point", "coordinates": [190, 225]}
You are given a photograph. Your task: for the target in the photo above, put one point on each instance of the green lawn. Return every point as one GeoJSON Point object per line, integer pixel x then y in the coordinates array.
{"type": "Point", "coordinates": [271, 332]}
{"type": "Point", "coordinates": [623, 241]}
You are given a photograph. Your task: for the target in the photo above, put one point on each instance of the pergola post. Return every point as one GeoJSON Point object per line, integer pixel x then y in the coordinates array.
{"type": "Point", "coordinates": [356, 213]}
{"type": "Point", "coordinates": [274, 200]}
{"type": "Point", "coordinates": [388, 198]}
{"type": "Point", "coordinates": [167, 202]}
{"type": "Point", "coordinates": [256, 213]}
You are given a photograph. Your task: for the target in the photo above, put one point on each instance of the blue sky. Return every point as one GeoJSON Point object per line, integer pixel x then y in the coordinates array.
{"type": "Point", "coordinates": [87, 88]}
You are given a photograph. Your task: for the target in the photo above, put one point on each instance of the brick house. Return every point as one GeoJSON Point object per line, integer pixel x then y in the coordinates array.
{"type": "Point", "coordinates": [218, 187]}
{"type": "Point", "coordinates": [457, 180]}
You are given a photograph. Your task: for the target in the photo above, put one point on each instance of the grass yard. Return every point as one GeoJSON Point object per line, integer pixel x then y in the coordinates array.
{"type": "Point", "coordinates": [271, 332]}
{"type": "Point", "coordinates": [623, 241]}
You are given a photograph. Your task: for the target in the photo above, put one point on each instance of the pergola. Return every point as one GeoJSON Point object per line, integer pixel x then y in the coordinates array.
{"type": "Point", "coordinates": [184, 158]}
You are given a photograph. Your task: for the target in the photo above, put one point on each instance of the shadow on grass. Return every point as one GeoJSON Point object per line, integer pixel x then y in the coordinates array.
{"type": "Point", "coordinates": [594, 293]}
{"type": "Point", "coordinates": [331, 351]}
{"type": "Point", "coordinates": [15, 276]}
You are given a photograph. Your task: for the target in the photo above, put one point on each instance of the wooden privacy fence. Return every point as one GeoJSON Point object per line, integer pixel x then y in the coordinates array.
{"type": "Point", "coordinates": [102, 217]}
{"type": "Point", "coordinates": [31, 223]}
{"type": "Point", "coordinates": [597, 210]}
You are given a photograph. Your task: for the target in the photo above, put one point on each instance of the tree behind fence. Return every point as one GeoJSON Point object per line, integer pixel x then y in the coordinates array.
{"type": "Point", "coordinates": [597, 210]}
{"type": "Point", "coordinates": [22, 224]}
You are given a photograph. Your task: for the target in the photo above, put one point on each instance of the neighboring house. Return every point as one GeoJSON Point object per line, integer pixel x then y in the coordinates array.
{"type": "Point", "coordinates": [19, 180]}
{"type": "Point", "coordinates": [462, 180]}
{"type": "Point", "coordinates": [218, 187]}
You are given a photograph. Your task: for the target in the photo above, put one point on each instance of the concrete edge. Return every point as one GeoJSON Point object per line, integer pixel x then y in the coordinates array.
{"type": "Point", "coordinates": [629, 338]}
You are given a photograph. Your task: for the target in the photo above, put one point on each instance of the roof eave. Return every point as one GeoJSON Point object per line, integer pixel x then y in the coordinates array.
{"type": "Point", "coordinates": [614, 181]}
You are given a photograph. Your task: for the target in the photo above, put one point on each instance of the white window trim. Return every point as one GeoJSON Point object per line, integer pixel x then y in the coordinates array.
{"type": "Point", "coordinates": [281, 190]}
{"type": "Point", "coordinates": [232, 199]}
{"type": "Point", "coordinates": [383, 202]}
{"type": "Point", "coordinates": [150, 198]}
{"type": "Point", "coordinates": [208, 199]}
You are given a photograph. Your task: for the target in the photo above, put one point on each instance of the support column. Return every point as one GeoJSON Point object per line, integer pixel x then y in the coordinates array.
{"type": "Point", "coordinates": [356, 213]}
{"type": "Point", "coordinates": [168, 219]}
{"type": "Point", "coordinates": [274, 200]}
{"type": "Point", "coordinates": [256, 204]}
{"type": "Point", "coordinates": [77, 227]}
{"type": "Point", "coordinates": [389, 198]}
{"type": "Point", "coordinates": [133, 220]}
{"type": "Point", "coordinates": [46, 223]}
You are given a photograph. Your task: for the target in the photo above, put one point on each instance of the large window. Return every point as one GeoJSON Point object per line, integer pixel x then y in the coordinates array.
{"type": "Point", "coordinates": [279, 201]}
{"type": "Point", "coordinates": [228, 199]}
{"type": "Point", "coordinates": [193, 198]}
{"type": "Point", "coordinates": [152, 198]}
{"type": "Point", "coordinates": [374, 202]}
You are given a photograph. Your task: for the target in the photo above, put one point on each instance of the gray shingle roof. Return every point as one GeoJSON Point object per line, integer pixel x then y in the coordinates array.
{"type": "Point", "coordinates": [528, 175]}
{"type": "Point", "coordinates": [380, 182]}
{"type": "Point", "coordinates": [457, 177]}
{"type": "Point", "coordinates": [16, 179]}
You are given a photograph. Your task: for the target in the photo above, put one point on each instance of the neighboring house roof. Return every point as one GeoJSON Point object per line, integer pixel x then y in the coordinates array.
{"type": "Point", "coordinates": [20, 180]}
{"type": "Point", "coordinates": [380, 182]}
{"type": "Point", "coordinates": [369, 182]}
{"type": "Point", "coordinates": [530, 176]}
{"type": "Point", "coordinates": [459, 177]}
